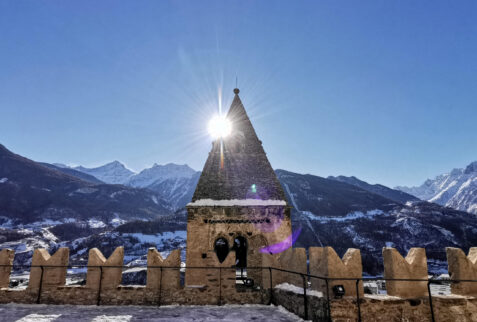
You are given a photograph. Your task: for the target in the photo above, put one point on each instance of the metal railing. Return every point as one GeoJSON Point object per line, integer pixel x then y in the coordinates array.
{"type": "Point", "coordinates": [306, 278]}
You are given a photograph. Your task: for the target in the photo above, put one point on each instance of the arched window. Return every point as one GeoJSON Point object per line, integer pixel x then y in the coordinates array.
{"type": "Point", "coordinates": [221, 248]}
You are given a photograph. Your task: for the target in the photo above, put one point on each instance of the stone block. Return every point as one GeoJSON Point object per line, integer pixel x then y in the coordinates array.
{"type": "Point", "coordinates": [111, 276]}
{"type": "Point", "coordinates": [223, 277]}
{"type": "Point", "coordinates": [414, 266]}
{"type": "Point", "coordinates": [270, 260]}
{"type": "Point", "coordinates": [293, 259]}
{"type": "Point", "coordinates": [168, 277]}
{"type": "Point", "coordinates": [6, 258]}
{"type": "Point", "coordinates": [324, 261]}
{"type": "Point", "coordinates": [52, 276]}
{"type": "Point", "coordinates": [462, 267]}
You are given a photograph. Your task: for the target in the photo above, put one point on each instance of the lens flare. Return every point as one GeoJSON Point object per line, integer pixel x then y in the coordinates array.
{"type": "Point", "coordinates": [219, 127]}
{"type": "Point", "coordinates": [283, 245]}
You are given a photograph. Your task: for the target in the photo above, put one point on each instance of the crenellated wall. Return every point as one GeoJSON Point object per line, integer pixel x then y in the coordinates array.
{"type": "Point", "coordinates": [164, 277]}
{"type": "Point", "coordinates": [414, 266]}
{"type": "Point", "coordinates": [463, 267]}
{"type": "Point", "coordinates": [325, 262]}
{"type": "Point", "coordinates": [292, 259]}
{"type": "Point", "coordinates": [6, 259]}
{"type": "Point", "coordinates": [100, 270]}
{"type": "Point", "coordinates": [218, 281]}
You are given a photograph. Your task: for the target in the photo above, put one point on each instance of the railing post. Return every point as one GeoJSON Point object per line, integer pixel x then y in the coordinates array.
{"type": "Point", "coordinates": [160, 288]}
{"type": "Point", "coordinates": [220, 285]}
{"type": "Point", "coordinates": [430, 300]}
{"type": "Point", "coordinates": [358, 300]}
{"type": "Point", "coordinates": [40, 287]}
{"type": "Point", "coordinates": [328, 299]}
{"type": "Point", "coordinates": [98, 301]}
{"type": "Point", "coordinates": [305, 300]}
{"type": "Point", "coordinates": [271, 286]}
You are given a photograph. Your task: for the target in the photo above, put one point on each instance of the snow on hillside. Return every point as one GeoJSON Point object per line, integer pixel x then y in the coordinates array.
{"type": "Point", "coordinates": [177, 191]}
{"type": "Point", "coordinates": [158, 173]}
{"type": "Point", "coordinates": [114, 172]}
{"type": "Point", "coordinates": [457, 189]}
{"type": "Point", "coordinates": [173, 182]}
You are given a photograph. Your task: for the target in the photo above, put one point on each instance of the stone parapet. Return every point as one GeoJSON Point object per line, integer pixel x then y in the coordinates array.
{"type": "Point", "coordinates": [6, 260]}
{"type": "Point", "coordinates": [379, 308]}
{"type": "Point", "coordinates": [164, 277]}
{"type": "Point", "coordinates": [218, 279]}
{"type": "Point", "coordinates": [43, 270]}
{"type": "Point", "coordinates": [462, 267]}
{"type": "Point", "coordinates": [100, 274]}
{"type": "Point", "coordinates": [292, 259]}
{"type": "Point", "coordinates": [326, 263]}
{"type": "Point", "coordinates": [414, 266]}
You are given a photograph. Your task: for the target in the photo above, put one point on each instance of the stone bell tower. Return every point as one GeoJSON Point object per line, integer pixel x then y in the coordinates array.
{"type": "Point", "coordinates": [239, 204]}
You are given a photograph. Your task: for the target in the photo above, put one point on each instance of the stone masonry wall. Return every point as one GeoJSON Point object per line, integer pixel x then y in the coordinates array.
{"type": "Point", "coordinates": [410, 302]}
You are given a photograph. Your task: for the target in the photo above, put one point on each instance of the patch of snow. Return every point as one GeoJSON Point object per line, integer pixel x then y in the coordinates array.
{"type": "Point", "coordinates": [49, 222]}
{"type": "Point", "coordinates": [86, 190]}
{"type": "Point", "coordinates": [82, 251]}
{"type": "Point", "coordinates": [231, 313]}
{"type": "Point", "coordinates": [158, 238]}
{"type": "Point", "coordinates": [8, 223]}
{"type": "Point", "coordinates": [159, 173]}
{"type": "Point", "coordinates": [116, 221]}
{"type": "Point", "coordinates": [352, 216]}
{"type": "Point", "coordinates": [94, 223]}
{"type": "Point", "coordinates": [297, 290]}
{"type": "Point", "coordinates": [134, 270]}
{"type": "Point", "coordinates": [48, 235]}
{"type": "Point", "coordinates": [237, 202]}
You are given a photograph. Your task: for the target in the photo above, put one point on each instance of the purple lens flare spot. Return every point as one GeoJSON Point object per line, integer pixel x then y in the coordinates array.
{"type": "Point", "coordinates": [283, 245]}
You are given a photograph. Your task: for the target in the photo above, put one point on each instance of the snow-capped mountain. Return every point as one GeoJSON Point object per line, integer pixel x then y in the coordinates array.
{"type": "Point", "coordinates": [113, 173]}
{"type": "Point", "coordinates": [456, 189]}
{"type": "Point", "coordinates": [177, 191]}
{"type": "Point", "coordinates": [31, 191]}
{"type": "Point", "coordinates": [159, 173]}
{"type": "Point", "coordinates": [72, 172]}
{"type": "Point", "coordinates": [172, 182]}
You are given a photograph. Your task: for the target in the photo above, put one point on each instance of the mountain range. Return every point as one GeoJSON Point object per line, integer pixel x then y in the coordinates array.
{"type": "Point", "coordinates": [338, 214]}
{"type": "Point", "coordinates": [456, 189]}
{"type": "Point", "coordinates": [52, 205]}
{"type": "Point", "coordinates": [32, 191]}
{"type": "Point", "coordinates": [173, 182]}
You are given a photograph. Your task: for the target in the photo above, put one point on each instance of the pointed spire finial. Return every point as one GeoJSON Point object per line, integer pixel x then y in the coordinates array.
{"type": "Point", "coordinates": [236, 91]}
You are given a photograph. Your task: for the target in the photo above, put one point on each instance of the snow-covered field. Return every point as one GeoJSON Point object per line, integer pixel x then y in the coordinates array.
{"type": "Point", "coordinates": [73, 313]}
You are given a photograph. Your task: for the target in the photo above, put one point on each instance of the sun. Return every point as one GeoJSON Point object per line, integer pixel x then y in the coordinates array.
{"type": "Point", "coordinates": [219, 127]}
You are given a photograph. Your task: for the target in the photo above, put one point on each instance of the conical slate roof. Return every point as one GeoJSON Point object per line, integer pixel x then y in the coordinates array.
{"type": "Point", "coordinates": [246, 173]}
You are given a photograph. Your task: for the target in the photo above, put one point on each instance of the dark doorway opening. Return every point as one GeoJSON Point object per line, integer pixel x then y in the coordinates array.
{"type": "Point", "coordinates": [240, 248]}
{"type": "Point", "coordinates": [221, 248]}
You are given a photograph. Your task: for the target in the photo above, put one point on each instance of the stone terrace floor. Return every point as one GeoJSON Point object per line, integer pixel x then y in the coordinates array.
{"type": "Point", "coordinates": [63, 313]}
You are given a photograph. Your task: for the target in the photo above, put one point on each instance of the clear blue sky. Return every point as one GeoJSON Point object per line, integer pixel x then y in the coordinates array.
{"type": "Point", "coordinates": [383, 90]}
